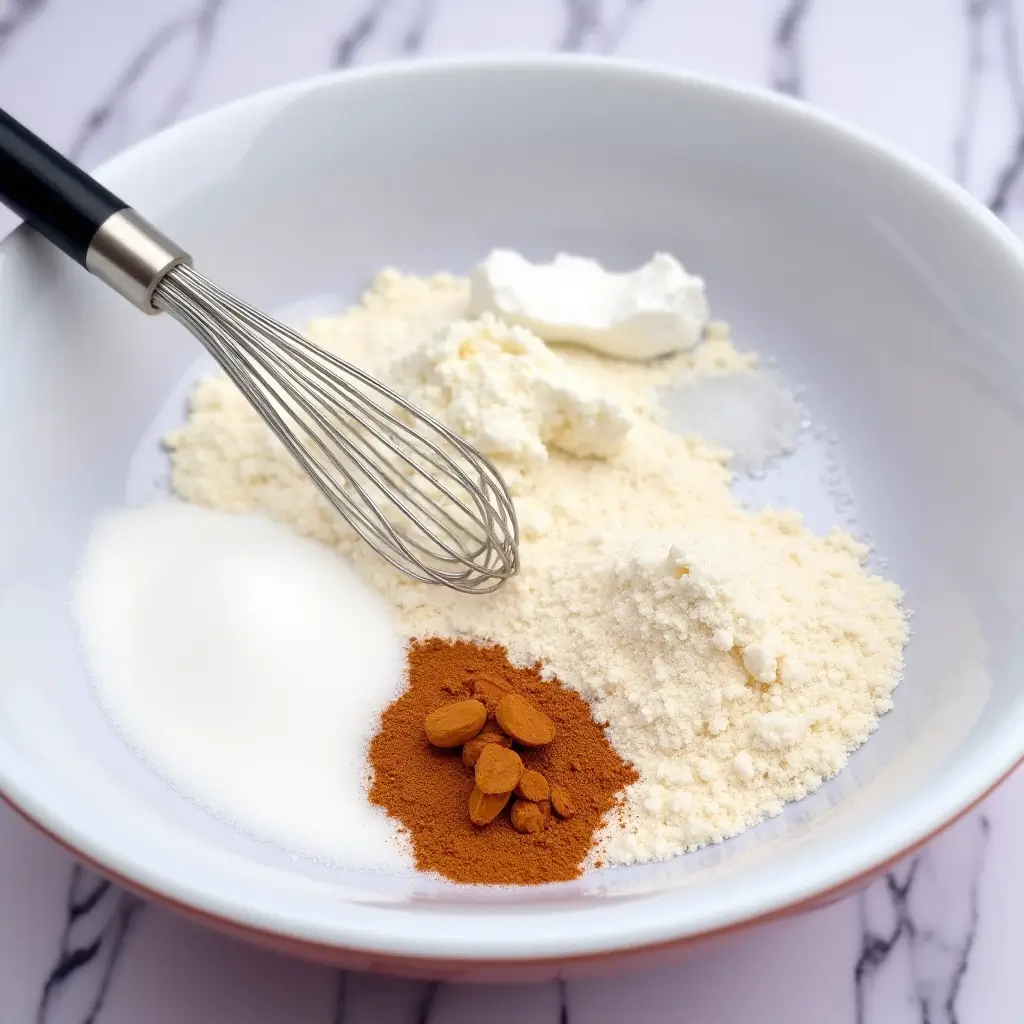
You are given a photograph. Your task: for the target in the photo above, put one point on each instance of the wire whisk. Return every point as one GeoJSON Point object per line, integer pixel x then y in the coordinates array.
{"type": "Point", "coordinates": [419, 495]}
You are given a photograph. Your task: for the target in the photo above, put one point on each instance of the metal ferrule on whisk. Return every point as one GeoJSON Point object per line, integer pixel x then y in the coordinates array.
{"type": "Point", "coordinates": [132, 256]}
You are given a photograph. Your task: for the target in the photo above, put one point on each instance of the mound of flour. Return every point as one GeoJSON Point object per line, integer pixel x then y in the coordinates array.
{"type": "Point", "coordinates": [505, 392]}
{"type": "Point", "coordinates": [738, 658]}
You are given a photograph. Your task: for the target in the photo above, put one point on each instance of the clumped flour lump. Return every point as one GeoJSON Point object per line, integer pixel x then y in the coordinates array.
{"type": "Point", "coordinates": [737, 657]}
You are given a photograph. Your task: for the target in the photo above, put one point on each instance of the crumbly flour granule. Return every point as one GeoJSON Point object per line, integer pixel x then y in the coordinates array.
{"type": "Point", "coordinates": [505, 392]}
{"type": "Point", "coordinates": [737, 657]}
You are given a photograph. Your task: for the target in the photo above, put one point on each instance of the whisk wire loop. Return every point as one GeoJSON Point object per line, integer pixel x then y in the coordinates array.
{"type": "Point", "coordinates": [418, 494]}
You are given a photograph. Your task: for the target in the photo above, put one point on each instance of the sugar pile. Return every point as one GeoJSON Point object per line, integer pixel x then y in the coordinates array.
{"type": "Point", "coordinates": [247, 666]}
{"type": "Point", "coordinates": [750, 413]}
{"type": "Point", "coordinates": [738, 658]}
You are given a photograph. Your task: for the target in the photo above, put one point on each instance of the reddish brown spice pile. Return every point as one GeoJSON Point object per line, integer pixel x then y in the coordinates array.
{"type": "Point", "coordinates": [428, 789]}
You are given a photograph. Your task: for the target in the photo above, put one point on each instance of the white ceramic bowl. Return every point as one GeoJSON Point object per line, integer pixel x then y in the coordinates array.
{"type": "Point", "coordinates": [896, 300]}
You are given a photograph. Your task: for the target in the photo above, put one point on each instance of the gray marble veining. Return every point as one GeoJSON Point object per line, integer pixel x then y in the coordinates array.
{"type": "Point", "coordinates": [19, 14]}
{"type": "Point", "coordinates": [993, 50]}
{"type": "Point", "coordinates": [930, 917]}
{"type": "Point", "coordinates": [786, 69]}
{"type": "Point", "coordinates": [127, 111]}
{"type": "Point", "coordinates": [98, 921]}
{"type": "Point", "coordinates": [405, 24]}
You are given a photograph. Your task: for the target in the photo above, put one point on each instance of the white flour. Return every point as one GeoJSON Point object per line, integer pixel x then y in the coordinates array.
{"type": "Point", "coordinates": [247, 666]}
{"type": "Point", "coordinates": [506, 393]}
{"type": "Point", "coordinates": [737, 665]}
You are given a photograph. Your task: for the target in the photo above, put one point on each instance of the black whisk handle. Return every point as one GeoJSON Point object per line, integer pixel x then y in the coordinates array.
{"type": "Point", "coordinates": [81, 217]}
{"type": "Point", "coordinates": [61, 201]}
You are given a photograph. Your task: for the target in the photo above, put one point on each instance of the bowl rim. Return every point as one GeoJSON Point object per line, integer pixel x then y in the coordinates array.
{"type": "Point", "coordinates": [871, 851]}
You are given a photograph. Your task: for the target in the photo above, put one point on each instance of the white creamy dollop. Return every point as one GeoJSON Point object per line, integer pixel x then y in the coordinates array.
{"type": "Point", "coordinates": [645, 313]}
{"type": "Point", "coordinates": [506, 393]}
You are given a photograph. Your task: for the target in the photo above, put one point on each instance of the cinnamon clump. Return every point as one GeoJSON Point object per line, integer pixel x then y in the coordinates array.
{"type": "Point", "coordinates": [428, 789]}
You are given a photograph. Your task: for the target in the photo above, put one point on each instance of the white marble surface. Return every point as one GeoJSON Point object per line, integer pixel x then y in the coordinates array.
{"type": "Point", "coordinates": [935, 942]}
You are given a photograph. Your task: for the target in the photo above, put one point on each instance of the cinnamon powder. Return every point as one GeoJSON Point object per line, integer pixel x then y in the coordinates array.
{"type": "Point", "coordinates": [427, 789]}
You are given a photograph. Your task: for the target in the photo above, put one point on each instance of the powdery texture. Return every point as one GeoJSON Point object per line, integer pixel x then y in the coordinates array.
{"type": "Point", "coordinates": [506, 393]}
{"type": "Point", "coordinates": [427, 789]}
{"type": "Point", "coordinates": [737, 667]}
{"type": "Point", "coordinates": [737, 658]}
{"type": "Point", "coordinates": [247, 666]}
{"type": "Point", "coordinates": [751, 413]}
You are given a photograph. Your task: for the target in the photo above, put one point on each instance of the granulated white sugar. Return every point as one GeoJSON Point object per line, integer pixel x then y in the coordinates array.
{"type": "Point", "coordinates": [248, 666]}
{"type": "Point", "coordinates": [750, 413]}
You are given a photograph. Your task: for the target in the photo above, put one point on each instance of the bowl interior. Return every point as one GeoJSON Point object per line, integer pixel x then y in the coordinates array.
{"type": "Point", "coordinates": [888, 296]}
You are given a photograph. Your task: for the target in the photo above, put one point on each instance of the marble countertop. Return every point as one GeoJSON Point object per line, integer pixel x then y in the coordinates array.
{"type": "Point", "coordinates": [935, 941]}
